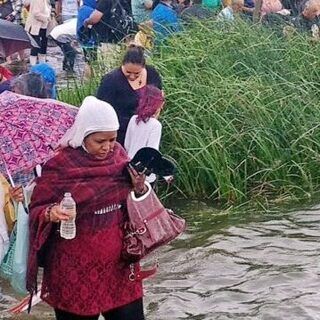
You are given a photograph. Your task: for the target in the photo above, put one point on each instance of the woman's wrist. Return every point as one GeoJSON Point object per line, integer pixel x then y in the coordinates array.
{"type": "Point", "coordinates": [144, 193]}
{"type": "Point", "coordinates": [140, 191]}
{"type": "Point", "coordinates": [47, 213]}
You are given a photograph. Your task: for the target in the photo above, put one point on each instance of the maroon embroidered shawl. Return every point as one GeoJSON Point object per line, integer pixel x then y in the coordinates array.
{"type": "Point", "coordinates": [94, 184]}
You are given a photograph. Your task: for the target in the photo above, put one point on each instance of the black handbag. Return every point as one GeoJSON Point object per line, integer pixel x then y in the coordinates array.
{"type": "Point", "coordinates": [5, 9]}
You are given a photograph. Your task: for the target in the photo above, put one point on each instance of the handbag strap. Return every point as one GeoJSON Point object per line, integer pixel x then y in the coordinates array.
{"type": "Point", "coordinates": [142, 228]}
{"type": "Point", "coordinates": [142, 274]}
{"type": "Point", "coordinates": [143, 197]}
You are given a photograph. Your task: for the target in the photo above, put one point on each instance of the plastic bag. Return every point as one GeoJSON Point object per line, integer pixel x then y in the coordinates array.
{"type": "Point", "coordinates": [7, 262]}
{"type": "Point", "coordinates": [14, 265]}
{"type": "Point", "coordinates": [4, 246]}
{"type": "Point", "coordinates": [20, 257]}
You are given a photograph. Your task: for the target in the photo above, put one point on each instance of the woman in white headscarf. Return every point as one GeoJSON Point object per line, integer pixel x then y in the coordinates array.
{"type": "Point", "coordinates": [85, 276]}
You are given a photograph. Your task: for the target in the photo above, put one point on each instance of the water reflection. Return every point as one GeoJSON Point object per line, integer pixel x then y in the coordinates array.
{"type": "Point", "coordinates": [235, 267]}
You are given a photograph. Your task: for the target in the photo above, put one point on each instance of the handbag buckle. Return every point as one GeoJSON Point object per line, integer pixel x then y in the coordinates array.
{"type": "Point", "coordinates": [132, 276]}
{"type": "Point", "coordinates": [141, 230]}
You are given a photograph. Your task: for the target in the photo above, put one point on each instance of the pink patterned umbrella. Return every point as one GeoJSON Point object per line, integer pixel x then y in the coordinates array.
{"type": "Point", "coordinates": [30, 129]}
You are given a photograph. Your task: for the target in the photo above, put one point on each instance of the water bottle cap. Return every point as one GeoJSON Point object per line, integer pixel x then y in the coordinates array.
{"type": "Point", "coordinates": [67, 194]}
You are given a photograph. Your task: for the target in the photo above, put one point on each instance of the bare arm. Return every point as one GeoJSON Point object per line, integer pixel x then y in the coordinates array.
{"type": "Point", "coordinates": [146, 25]}
{"type": "Point", "coordinates": [58, 7]}
{"type": "Point", "coordinates": [94, 18]}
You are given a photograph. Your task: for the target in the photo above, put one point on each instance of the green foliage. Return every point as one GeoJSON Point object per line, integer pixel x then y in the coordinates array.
{"type": "Point", "coordinates": [242, 113]}
{"type": "Point", "coordinates": [242, 117]}
{"type": "Point", "coordinates": [76, 90]}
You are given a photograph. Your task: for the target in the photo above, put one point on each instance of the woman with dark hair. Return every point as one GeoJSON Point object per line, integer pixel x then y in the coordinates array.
{"type": "Point", "coordinates": [49, 76]}
{"type": "Point", "coordinates": [30, 84]}
{"type": "Point", "coordinates": [122, 87]}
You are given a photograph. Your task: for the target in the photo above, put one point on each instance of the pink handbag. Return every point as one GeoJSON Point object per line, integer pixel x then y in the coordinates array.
{"type": "Point", "coordinates": [150, 226]}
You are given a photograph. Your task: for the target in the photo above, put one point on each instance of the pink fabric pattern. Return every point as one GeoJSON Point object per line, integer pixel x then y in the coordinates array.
{"type": "Point", "coordinates": [30, 129]}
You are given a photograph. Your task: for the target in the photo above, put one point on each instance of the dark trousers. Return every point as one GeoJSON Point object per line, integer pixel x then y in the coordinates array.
{"type": "Point", "coordinates": [131, 311]}
{"type": "Point", "coordinates": [42, 42]}
{"type": "Point", "coordinates": [90, 54]}
{"type": "Point", "coordinates": [69, 54]}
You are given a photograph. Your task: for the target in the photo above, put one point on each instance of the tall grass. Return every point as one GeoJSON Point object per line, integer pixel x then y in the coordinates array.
{"type": "Point", "coordinates": [242, 114]}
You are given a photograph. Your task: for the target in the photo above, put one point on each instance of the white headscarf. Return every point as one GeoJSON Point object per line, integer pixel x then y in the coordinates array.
{"type": "Point", "coordinates": [94, 115]}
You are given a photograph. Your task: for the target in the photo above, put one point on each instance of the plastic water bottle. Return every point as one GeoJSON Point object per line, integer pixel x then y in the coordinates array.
{"type": "Point", "coordinates": [68, 228]}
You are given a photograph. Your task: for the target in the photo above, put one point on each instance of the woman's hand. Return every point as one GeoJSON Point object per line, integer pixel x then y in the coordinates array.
{"type": "Point", "coordinates": [86, 23]}
{"type": "Point", "coordinates": [10, 17]}
{"type": "Point", "coordinates": [16, 194]}
{"type": "Point", "coordinates": [138, 181]}
{"type": "Point", "coordinates": [56, 214]}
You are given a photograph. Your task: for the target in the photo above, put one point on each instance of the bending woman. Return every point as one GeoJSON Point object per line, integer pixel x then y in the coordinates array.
{"type": "Point", "coordinates": [85, 276]}
{"type": "Point", "coordinates": [122, 87]}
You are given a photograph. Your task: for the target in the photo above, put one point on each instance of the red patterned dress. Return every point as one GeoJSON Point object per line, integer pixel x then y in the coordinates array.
{"type": "Point", "coordinates": [85, 275]}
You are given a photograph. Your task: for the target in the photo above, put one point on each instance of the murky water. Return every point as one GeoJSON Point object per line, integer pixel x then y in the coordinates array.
{"type": "Point", "coordinates": [244, 267]}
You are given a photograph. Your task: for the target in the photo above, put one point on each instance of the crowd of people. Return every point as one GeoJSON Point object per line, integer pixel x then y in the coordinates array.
{"type": "Point", "coordinates": [85, 277]}
{"type": "Point", "coordinates": [94, 25]}
{"type": "Point", "coordinates": [99, 24]}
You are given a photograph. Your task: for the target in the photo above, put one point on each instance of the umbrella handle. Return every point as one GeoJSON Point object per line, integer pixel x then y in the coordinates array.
{"type": "Point", "coordinates": [8, 172]}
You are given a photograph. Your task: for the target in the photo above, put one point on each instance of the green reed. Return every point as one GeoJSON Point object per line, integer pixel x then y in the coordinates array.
{"type": "Point", "coordinates": [242, 113]}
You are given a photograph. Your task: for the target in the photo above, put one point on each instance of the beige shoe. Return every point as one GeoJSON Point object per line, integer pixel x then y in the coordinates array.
{"type": "Point", "coordinates": [33, 60]}
{"type": "Point", "coordinates": [42, 58]}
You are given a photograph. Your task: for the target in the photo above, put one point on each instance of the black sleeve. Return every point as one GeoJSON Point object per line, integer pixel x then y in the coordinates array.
{"type": "Point", "coordinates": [154, 77]}
{"type": "Point", "coordinates": [127, 6]}
{"type": "Point", "coordinates": [155, 3]}
{"type": "Point", "coordinates": [103, 6]}
{"type": "Point", "coordinates": [106, 89]}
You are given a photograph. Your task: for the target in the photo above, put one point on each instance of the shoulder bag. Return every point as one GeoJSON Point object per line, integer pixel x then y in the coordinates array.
{"type": "Point", "coordinates": [150, 226]}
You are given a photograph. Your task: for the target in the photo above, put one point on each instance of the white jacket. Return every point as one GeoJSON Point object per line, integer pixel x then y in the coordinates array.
{"type": "Point", "coordinates": [39, 16]}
